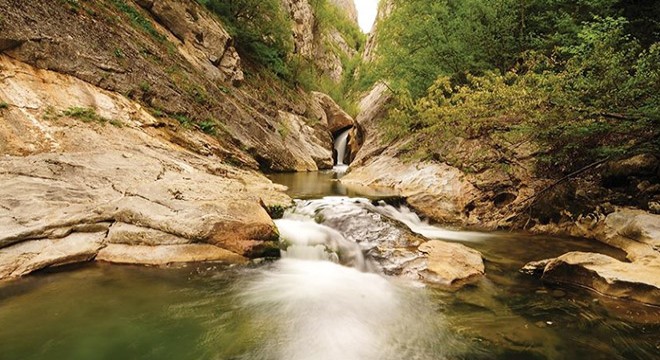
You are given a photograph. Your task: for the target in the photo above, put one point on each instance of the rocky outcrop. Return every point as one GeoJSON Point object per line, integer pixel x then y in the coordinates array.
{"type": "Point", "coordinates": [203, 40]}
{"type": "Point", "coordinates": [385, 8]}
{"type": "Point", "coordinates": [85, 170]}
{"type": "Point", "coordinates": [317, 44]}
{"type": "Point", "coordinates": [633, 231]}
{"type": "Point", "coordinates": [396, 250]}
{"type": "Point", "coordinates": [337, 119]}
{"type": "Point", "coordinates": [302, 16]}
{"type": "Point", "coordinates": [348, 6]}
{"type": "Point", "coordinates": [451, 264]}
{"type": "Point", "coordinates": [176, 60]}
{"type": "Point", "coordinates": [602, 274]}
{"type": "Point", "coordinates": [436, 190]}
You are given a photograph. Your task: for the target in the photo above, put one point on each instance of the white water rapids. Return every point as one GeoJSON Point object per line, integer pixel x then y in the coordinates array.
{"type": "Point", "coordinates": [326, 304]}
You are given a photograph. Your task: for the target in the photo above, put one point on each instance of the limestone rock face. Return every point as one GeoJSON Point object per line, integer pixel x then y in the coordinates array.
{"type": "Point", "coordinates": [336, 117]}
{"type": "Point", "coordinates": [201, 36]}
{"type": "Point", "coordinates": [179, 63]}
{"type": "Point", "coordinates": [385, 8]}
{"type": "Point", "coordinates": [318, 45]}
{"type": "Point", "coordinates": [70, 186]}
{"type": "Point", "coordinates": [348, 6]}
{"type": "Point", "coordinates": [303, 26]}
{"type": "Point", "coordinates": [310, 148]}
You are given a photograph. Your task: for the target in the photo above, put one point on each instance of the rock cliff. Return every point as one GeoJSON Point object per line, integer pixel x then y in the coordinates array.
{"type": "Point", "coordinates": [130, 133]}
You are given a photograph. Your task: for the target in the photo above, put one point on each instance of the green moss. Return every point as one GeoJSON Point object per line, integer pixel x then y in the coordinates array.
{"type": "Point", "coordinates": [145, 87]}
{"type": "Point", "coordinates": [283, 130]}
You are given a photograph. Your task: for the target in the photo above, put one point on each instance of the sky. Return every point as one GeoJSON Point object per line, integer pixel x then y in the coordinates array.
{"type": "Point", "coordinates": [367, 10]}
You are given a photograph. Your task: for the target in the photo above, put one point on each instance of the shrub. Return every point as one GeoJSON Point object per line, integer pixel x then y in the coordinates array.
{"type": "Point", "coordinates": [261, 29]}
{"type": "Point", "coordinates": [87, 115]}
{"type": "Point", "coordinates": [138, 20]}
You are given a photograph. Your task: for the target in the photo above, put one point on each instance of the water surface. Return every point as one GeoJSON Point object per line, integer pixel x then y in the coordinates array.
{"type": "Point", "coordinates": [297, 309]}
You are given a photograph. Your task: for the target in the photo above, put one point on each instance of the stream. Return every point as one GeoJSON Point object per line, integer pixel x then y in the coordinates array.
{"type": "Point", "coordinates": [326, 299]}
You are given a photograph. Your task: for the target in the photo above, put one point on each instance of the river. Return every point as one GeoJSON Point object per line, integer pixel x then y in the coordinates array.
{"type": "Point", "coordinates": [307, 306]}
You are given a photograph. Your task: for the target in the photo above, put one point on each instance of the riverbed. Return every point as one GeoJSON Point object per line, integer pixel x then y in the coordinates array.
{"type": "Point", "coordinates": [306, 309]}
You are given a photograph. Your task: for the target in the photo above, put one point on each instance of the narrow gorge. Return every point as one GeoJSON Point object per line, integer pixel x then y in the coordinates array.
{"type": "Point", "coordinates": [209, 179]}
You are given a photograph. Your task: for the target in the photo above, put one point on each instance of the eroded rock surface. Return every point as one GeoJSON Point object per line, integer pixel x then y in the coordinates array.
{"type": "Point", "coordinates": [633, 231]}
{"type": "Point", "coordinates": [85, 168]}
{"type": "Point", "coordinates": [396, 250]}
{"type": "Point", "coordinates": [337, 118]}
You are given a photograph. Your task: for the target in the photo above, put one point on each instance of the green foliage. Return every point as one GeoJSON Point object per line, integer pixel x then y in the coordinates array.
{"type": "Point", "coordinates": [208, 126]}
{"type": "Point", "coordinates": [183, 120]}
{"type": "Point", "coordinates": [261, 29]}
{"type": "Point", "coordinates": [145, 86]}
{"type": "Point", "coordinates": [73, 5]}
{"type": "Point", "coordinates": [422, 40]}
{"type": "Point", "coordinates": [89, 115]}
{"type": "Point", "coordinates": [328, 15]}
{"type": "Point", "coordinates": [119, 53]}
{"type": "Point", "coordinates": [198, 93]}
{"type": "Point", "coordinates": [3, 105]}
{"type": "Point", "coordinates": [138, 20]}
{"type": "Point", "coordinates": [283, 130]}
{"type": "Point", "coordinates": [565, 76]}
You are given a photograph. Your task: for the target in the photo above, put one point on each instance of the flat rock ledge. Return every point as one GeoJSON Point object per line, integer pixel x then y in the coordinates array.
{"type": "Point", "coordinates": [635, 232]}
{"type": "Point", "coordinates": [166, 254]}
{"type": "Point", "coordinates": [602, 274]}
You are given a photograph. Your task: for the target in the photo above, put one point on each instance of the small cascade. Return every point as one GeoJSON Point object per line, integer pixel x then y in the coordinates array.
{"type": "Point", "coordinates": [423, 227]}
{"type": "Point", "coordinates": [323, 303]}
{"type": "Point", "coordinates": [307, 240]}
{"type": "Point", "coordinates": [341, 145]}
{"type": "Point", "coordinates": [308, 209]}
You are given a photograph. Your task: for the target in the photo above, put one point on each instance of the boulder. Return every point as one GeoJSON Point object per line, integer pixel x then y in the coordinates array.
{"type": "Point", "coordinates": [338, 119]}
{"type": "Point", "coordinates": [396, 250]}
{"type": "Point", "coordinates": [633, 231]}
{"type": "Point", "coordinates": [606, 275]}
{"type": "Point", "coordinates": [451, 264]}
{"type": "Point", "coordinates": [639, 165]}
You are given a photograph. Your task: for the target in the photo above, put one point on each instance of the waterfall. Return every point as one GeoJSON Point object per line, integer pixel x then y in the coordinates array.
{"type": "Point", "coordinates": [341, 143]}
